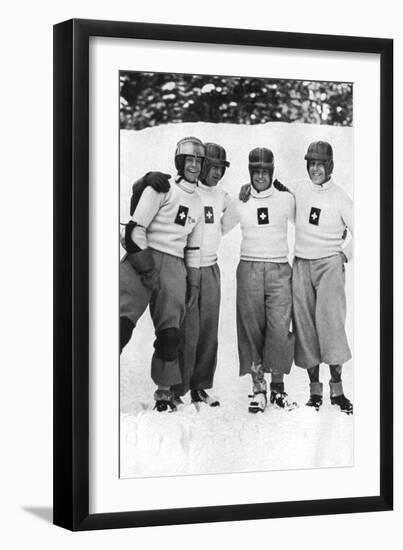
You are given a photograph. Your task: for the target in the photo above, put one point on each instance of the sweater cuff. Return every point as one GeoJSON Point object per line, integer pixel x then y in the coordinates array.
{"type": "Point", "coordinates": [192, 256]}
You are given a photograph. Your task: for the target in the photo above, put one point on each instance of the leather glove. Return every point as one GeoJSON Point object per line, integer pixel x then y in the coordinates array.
{"type": "Point", "coordinates": [143, 263]}
{"type": "Point", "coordinates": [126, 238]}
{"type": "Point", "coordinates": [344, 257]}
{"type": "Point", "coordinates": [158, 181]}
{"type": "Point", "coordinates": [151, 280]}
{"type": "Point", "coordinates": [244, 192]}
{"type": "Point", "coordinates": [122, 236]}
{"type": "Point", "coordinates": [193, 286]}
{"type": "Point", "coordinates": [280, 187]}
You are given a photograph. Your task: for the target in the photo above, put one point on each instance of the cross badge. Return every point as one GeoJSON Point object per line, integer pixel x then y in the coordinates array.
{"type": "Point", "coordinates": [314, 216]}
{"type": "Point", "coordinates": [208, 214]}
{"type": "Point", "coordinates": [262, 216]}
{"type": "Point", "coordinates": [182, 215]}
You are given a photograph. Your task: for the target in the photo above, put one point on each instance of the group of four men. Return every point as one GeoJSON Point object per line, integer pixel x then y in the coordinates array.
{"type": "Point", "coordinates": [172, 242]}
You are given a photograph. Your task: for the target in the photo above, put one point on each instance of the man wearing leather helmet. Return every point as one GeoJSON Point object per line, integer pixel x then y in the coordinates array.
{"type": "Point", "coordinates": [324, 211]}
{"type": "Point", "coordinates": [199, 331]}
{"type": "Point", "coordinates": [162, 265]}
{"type": "Point", "coordinates": [264, 301]}
{"type": "Point", "coordinates": [198, 351]}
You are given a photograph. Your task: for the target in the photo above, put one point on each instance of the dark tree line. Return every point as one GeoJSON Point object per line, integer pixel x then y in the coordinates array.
{"type": "Point", "coordinates": [150, 99]}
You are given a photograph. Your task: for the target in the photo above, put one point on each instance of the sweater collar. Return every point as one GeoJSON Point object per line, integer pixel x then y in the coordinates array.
{"type": "Point", "coordinates": [263, 194]}
{"type": "Point", "coordinates": [186, 185]}
{"type": "Point", "coordinates": [206, 188]}
{"type": "Point", "coordinates": [321, 188]}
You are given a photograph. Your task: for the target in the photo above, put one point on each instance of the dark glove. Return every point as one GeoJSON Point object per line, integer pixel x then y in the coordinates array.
{"type": "Point", "coordinates": [344, 257]}
{"type": "Point", "coordinates": [126, 238]}
{"type": "Point", "coordinates": [151, 280]}
{"type": "Point", "coordinates": [244, 192]}
{"type": "Point", "coordinates": [280, 187]}
{"type": "Point", "coordinates": [193, 286]}
{"type": "Point", "coordinates": [158, 181]}
{"type": "Point", "coordinates": [143, 263]}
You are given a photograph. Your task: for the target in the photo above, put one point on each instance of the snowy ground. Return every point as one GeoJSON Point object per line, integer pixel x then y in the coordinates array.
{"type": "Point", "coordinates": [228, 438]}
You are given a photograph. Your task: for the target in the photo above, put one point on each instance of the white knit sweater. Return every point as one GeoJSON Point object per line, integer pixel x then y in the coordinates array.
{"type": "Point", "coordinates": [323, 213]}
{"type": "Point", "coordinates": [264, 224]}
{"type": "Point", "coordinates": [215, 201]}
{"type": "Point", "coordinates": [171, 222]}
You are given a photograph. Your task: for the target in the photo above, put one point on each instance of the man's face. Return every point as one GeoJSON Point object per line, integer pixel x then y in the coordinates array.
{"type": "Point", "coordinates": [261, 179]}
{"type": "Point", "coordinates": [214, 175]}
{"type": "Point", "coordinates": [317, 172]}
{"type": "Point", "coordinates": [192, 168]}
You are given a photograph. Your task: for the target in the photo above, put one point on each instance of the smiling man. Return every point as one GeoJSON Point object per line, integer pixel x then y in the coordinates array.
{"type": "Point", "coordinates": [324, 211]}
{"type": "Point", "coordinates": [162, 265]}
{"type": "Point", "coordinates": [199, 342]}
{"type": "Point", "coordinates": [199, 331]}
{"type": "Point", "coordinates": [264, 301]}
{"type": "Point", "coordinates": [323, 215]}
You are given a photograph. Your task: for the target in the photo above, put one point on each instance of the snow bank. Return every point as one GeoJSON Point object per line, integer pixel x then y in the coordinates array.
{"type": "Point", "coordinates": [228, 438]}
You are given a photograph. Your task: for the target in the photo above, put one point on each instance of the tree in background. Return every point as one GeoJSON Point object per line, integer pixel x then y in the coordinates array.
{"type": "Point", "coordinates": [150, 99]}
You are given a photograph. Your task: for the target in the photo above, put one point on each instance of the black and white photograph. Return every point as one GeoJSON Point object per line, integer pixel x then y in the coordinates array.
{"type": "Point", "coordinates": [235, 274]}
{"type": "Point", "coordinates": [219, 394]}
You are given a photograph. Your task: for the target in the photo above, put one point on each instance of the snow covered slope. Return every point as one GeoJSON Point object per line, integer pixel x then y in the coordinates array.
{"type": "Point", "coordinates": [228, 438]}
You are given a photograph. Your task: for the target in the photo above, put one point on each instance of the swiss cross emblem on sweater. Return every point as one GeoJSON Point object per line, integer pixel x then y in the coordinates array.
{"type": "Point", "coordinates": [262, 216]}
{"type": "Point", "coordinates": [182, 215]}
{"type": "Point", "coordinates": [208, 214]}
{"type": "Point", "coordinates": [314, 216]}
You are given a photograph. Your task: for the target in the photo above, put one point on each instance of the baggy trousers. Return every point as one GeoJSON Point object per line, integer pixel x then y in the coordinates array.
{"type": "Point", "coordinates": [319, 304]}
{"type": "Point", "coordinates": [167, 306]}
{"type": "Point", "coordinates": [199, 335]}
{"type": "Point", "coordinates": [264, 307]}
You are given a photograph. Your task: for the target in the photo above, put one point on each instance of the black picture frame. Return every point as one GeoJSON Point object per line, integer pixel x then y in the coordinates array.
{"type": "Point", "coordinates": [71, 274]}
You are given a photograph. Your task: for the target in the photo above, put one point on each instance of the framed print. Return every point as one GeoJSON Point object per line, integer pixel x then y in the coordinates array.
{"type": "Point", "coordinates": [223, 266]}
